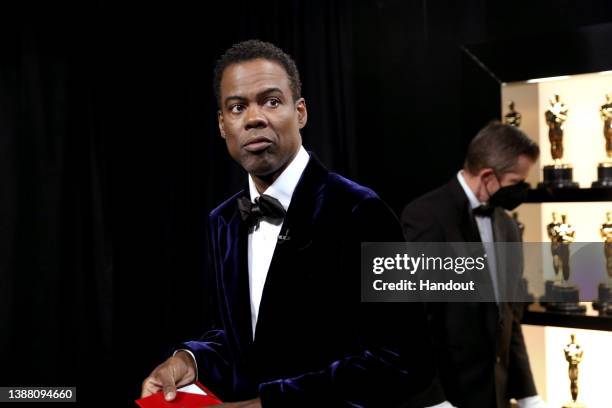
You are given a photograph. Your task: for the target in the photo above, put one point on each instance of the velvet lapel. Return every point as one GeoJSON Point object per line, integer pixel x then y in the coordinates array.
{"type": "Point", "coordinates": [296, 232]}
{"type": "Point", "coordinates": [233, 240]}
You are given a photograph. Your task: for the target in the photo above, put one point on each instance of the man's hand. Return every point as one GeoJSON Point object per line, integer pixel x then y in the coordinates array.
{"type": "Point", "coordinates": [177, 371]}
{"type": "Point", "coordinates": [254, 403]}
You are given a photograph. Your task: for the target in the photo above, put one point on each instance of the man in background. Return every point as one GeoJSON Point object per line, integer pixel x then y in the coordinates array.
{"type": "Point", "coordinates": [480, 352]}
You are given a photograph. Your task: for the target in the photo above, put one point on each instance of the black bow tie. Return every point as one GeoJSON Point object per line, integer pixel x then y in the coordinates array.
{"type": "Point", "coordinates": [484, 210]}
{"type": "Point", "coordinates": [264, 207]}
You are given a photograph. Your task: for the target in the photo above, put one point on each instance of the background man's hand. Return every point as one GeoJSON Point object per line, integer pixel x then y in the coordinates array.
{"type": "Point", "coordinates": [177, 371]}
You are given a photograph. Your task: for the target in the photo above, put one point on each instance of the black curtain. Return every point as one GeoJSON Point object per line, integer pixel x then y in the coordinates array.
{"type": "Point", "coordinates": [110, 161]}
{"type": "Point", "coordinates": [56, 290]}
{"type": "Point", "coordinates": [110, 157]}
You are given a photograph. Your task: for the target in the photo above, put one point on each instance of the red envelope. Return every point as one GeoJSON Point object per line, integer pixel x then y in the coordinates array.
{"type": "Point", "coordinates": [182, 400]}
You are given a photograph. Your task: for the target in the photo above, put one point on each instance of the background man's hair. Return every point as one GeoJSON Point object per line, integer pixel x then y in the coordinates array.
{"type": "Point", "coordinates": [255, 49]}
{"type": "Point", "coordinates": [498, 146]}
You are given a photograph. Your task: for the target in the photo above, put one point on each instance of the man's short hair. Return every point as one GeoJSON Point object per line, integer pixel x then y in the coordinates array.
{"type": "Point", "coordinates": [255, 49]}
{"type": "Point", "coordinates": [498, 146]}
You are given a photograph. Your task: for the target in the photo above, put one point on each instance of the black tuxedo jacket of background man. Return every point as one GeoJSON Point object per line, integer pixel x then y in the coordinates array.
{"type": "Point", "coordinates": [315, 343]}
{"type": "Point", "coordinates": [479, 347]}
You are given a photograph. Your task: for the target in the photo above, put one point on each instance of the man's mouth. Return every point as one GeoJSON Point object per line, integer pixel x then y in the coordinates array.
{"type": "Point", "coordinates": [257, 144]}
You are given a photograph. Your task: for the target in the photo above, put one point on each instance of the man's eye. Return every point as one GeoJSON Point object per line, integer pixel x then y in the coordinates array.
{"type": "Point", "coordinates": [272, 102]}
{"type": "Point", "coordinates": [236, 108]}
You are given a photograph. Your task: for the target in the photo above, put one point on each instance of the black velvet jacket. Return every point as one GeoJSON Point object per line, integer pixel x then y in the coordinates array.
{"type": "Point", "coordinates": [316, 343]}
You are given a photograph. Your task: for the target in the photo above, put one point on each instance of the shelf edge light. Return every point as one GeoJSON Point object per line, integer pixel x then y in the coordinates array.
{"type": "Point", "coordinates": [549, 79]}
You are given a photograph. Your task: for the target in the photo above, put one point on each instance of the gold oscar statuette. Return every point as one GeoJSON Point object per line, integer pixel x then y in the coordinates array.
{"type": "Point", "coordinates": [606, 115]}
{"type": "Point", "coordinates": [557, 175]}
{"type": "Point", "coordinates": [561, 234]}
{"type": "Point", "coordinates": [606, 234]}
{"type": "Point", "coordinates": [513, 117]}
{"type": "Point", "coordinates": [573, 355]}
{"type": "Point", "coordinates": [604, 169]}
{"type": "Point", "coordinates": [563, 295]}
{"type": "Point", "coordinates": [604, 290]}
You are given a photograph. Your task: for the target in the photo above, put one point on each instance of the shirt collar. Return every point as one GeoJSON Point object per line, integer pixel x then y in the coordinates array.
{"type": "Point", "coordinates": [283, 187]}
{"type": "Point", "coordinates": [474, 202]}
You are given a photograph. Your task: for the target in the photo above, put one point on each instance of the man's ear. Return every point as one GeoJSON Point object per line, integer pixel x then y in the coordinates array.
{"type": "Point", "coordinates": [486, 173]}
{"type": "Point", "coordinates": [221, 123]}
{"type": "Point", "coordinates": [300, 106]}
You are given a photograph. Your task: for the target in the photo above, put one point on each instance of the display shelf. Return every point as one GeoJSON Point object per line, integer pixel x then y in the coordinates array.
{"type": "Point", "coordinates": [544, 66]}
{"type": "Point", "coordinates": [567, 195]}
{"type": "Point", "coordinates": [538, 316]}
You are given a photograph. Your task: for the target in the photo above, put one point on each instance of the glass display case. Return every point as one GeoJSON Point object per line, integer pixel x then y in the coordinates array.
{"type": "Point", "coordinates": [569, 75]}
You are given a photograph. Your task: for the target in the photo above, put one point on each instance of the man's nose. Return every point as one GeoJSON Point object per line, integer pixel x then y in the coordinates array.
{"type": "Point", "coordinates": [255, 119]}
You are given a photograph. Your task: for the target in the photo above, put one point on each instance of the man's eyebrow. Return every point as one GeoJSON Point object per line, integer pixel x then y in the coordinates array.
{"type": "Point", "coordinates": [237, 97]}
{"type": "Point", "coordinates": [259, 94]}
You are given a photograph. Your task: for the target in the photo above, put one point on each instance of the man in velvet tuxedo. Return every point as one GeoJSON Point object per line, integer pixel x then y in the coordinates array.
{"type": "Point", "coordinates": [289, 329]}
{"type": "Point", "coordinates": [479, 347]}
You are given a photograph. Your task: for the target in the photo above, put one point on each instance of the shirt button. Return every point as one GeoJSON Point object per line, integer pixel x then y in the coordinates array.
{"type": "Point", "coordinates": [498, 359]}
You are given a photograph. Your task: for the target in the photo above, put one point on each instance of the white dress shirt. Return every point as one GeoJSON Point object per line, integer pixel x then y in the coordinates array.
{"type": "Point", "coordinates": [262, 240]}
{"type": "Point", "coordinates": [485, 228]}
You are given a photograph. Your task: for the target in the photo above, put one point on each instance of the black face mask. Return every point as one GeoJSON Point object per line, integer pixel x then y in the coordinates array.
{"type": "Point", "coordinates": [510, 197]}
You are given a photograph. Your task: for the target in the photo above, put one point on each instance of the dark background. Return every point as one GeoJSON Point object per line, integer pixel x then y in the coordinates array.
{"type": "Point", "coordinates": [110, 158]}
